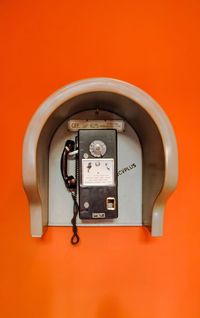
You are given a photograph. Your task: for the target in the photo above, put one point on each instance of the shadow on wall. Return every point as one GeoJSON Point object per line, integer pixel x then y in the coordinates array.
{"type": "Point", "coordinates": [110, 308]}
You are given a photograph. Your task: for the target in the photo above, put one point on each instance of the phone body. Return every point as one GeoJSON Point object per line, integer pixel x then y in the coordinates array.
{"type": "Point", "coordinates": [97, 177]}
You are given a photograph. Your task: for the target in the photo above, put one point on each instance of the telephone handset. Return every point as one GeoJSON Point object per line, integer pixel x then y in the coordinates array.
{"type": "Point", "coordinates": [95, 183]}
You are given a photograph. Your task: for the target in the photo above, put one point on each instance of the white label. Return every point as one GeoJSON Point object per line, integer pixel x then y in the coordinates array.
{"type": "Point", "coordinates": [98, 172]}
{"type": "Point", "coordinates": [76, 124]}
{"type": "Point", "coordinates": [98, 215]}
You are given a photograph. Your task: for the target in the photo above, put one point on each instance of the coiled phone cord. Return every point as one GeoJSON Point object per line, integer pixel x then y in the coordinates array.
{"type": "Point", "coordinates": [75, 237]}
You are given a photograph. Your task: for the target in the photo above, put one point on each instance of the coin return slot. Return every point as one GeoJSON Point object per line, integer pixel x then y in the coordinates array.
{"type": "Point", "coordinates": [110, 203]}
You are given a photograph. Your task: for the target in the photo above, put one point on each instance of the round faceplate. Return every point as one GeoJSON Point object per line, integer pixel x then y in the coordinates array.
{"type": "Point", "coordinates": [97, 148]}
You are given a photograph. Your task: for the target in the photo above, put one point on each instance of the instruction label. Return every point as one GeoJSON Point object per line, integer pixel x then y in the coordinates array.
{"type": "Point", "coordinates": [97, 172]}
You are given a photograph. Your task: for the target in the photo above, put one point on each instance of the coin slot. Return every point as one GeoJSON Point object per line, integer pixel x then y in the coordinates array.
{"type": "Point", "coordinates": [110, 203]}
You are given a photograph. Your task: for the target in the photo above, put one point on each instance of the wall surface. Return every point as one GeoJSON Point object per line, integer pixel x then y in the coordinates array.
{"type": "Point", "coordinates": [115, 272]}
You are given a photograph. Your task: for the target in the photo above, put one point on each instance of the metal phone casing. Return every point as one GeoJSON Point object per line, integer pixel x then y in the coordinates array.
{"type": "Point", "coordinates": [98, 200]}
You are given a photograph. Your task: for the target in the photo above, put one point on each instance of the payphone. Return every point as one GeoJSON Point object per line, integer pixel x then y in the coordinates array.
{"type": "Point", "coordinates": [115, 179]}
{"type": "Point", "coordinates": [95, 182]}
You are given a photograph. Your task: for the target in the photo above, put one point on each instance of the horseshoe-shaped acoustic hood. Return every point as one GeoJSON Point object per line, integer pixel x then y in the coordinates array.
{"type": "Point", "coordinates": [138, 109]}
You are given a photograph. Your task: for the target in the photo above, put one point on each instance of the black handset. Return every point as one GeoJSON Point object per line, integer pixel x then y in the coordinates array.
{"type": "Point", "coordinates": [70, 181]}
{"type": "Point", "coordinates": [95, 183]}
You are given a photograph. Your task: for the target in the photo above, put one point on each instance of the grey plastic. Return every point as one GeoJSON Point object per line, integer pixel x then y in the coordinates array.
{"type": "Point", "coordinates": [160, 159]}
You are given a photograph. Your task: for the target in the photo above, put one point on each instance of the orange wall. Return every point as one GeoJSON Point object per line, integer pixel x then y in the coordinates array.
{"type": "Point", "coordinates": [115, 272]}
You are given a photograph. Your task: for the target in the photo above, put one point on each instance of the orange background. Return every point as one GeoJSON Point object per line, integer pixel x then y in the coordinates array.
{"type": "Point", "coordinates": [115, 272]}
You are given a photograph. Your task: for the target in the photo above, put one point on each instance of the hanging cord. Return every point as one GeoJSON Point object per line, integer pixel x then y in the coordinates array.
{"type": "Point", "coordinates": [75, 237]}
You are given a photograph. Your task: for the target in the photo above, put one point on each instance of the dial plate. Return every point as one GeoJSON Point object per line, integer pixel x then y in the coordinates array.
{"type": "Point", "coordinates": [97, 148]}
